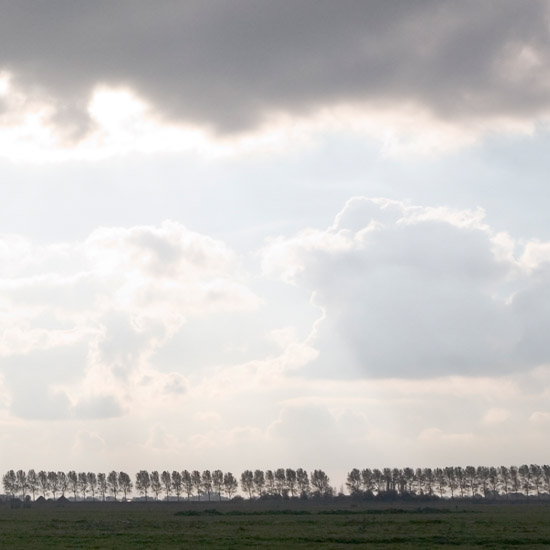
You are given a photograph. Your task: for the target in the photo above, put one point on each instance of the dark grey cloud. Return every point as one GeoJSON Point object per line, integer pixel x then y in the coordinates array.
{"type": "Point", "coordinates": [227, 65]}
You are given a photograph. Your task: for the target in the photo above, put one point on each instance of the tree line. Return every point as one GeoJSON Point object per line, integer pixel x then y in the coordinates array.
{"type": "Point", "coordinates": [453, 481]}
{"type": "Point", "coordinates": [283, 482]}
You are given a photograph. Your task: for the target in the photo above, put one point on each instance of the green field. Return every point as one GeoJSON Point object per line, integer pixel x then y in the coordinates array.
{"type": "Point", "coordinates": [305, 525]}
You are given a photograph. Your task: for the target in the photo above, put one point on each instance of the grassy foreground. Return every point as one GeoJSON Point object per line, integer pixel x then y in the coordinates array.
{"type": "Point", "coordinates": [226, 526]}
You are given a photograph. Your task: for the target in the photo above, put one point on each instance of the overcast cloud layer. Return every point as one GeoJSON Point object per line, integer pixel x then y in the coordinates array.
{"type": "Point", "coordinates": [232, 66]}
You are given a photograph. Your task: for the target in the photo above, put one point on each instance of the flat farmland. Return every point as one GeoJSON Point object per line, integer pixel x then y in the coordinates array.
{"type": "Point", "coordinates": [265, 525]}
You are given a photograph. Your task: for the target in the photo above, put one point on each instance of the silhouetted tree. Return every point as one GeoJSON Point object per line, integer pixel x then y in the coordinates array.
{"type": "Point", "coordinates": [112, 483]}
{"type": "Point", "coordinates": [217, 482]}
{"type": "Point", "coordinates": [536, 478]}
{"type": "Point", "coordinates": [206, 483]}
{"type": "Point", "coordinates": [367, 480]}
{"type": "Point", "coordinates": [156, 485]}
{"type": "Point", "coordinates": [53, 482]}
{"type": "Point", "coordinates": [63, 482]}
{"type": "Point", "coordinates": [21, 483]}
{"type": "Point", "coordinates": [247, 482]}
{"type": "Point", "coordinates": [353, 482]}
{"type": "Point", "coordinates": [269, 482]}
{"type": "Point", "coordinates": [321, 483]}
{"type": "Point", "coordinates": [546, 477]}
{"type": "Point", "coordinates": [451, 480]}
{"type": "Point", "coordinates": [378, 479]}
{"type": "Point", "coordinates": [188, 485]}
{"type": "Point", "coordinates": [102, 485]}
{"type": "Point", "coordinates": [525, 479]}
{"type": "Point", "coordinates": [515, 481]}
{"type": "Point", "coordinates": [460, 477]}
{"type": "Point", "coordinates": [494, 481]}
{"type": "Point", "coordinates": [482, 479]}
{"type": "Point", "coordinates": [197, 482]}
{"type": "Point", "coordinates": [9, 480]}
{"type": "Point", "coordinates": [504, 477]}
{"type": "Point", "coordinates": [92, 483]}
{"type": "Point", "coordinates": [302, 479]}
{"type": "Point", "coordinates": [83, 484]}
{"type": "Point", "coordinates": [125, 484]}
{"type": "Point", "coordinates": [166, 480]}
{"type": "Point", "coordinates": [280, 481]}
{"type": "Point", "coordinates": [259, 482]}
{"type": "Point", "coordinates": [440, 481]}
{"type": "Point", "coordinates": [470, 473]}
{"type": "Point", "coordinates": [32, 482]}
{"type": "Point", "coordinates": [177, 483]}
{"type": "Point", "coordinates": [230, 484]}
{"type": "Point", "coordinates": [143, 482]}
{"type": "Point", "coordinates": [72, 477]}
{"type": "Point", "coordinates": [291, 481]}
{"type": "Point", "coordinates": [43, 482]}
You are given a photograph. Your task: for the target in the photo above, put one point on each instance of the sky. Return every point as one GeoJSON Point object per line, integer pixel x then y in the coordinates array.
{"type": "Point", "coordinates": [274, 234]}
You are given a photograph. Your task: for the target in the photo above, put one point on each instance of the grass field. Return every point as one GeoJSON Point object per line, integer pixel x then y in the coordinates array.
{"type": "Point", "coordinates": [305, 526]}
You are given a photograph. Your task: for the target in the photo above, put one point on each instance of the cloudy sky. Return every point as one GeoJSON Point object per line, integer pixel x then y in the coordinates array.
{"type": "Point", "coordinates": [260, 234]}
